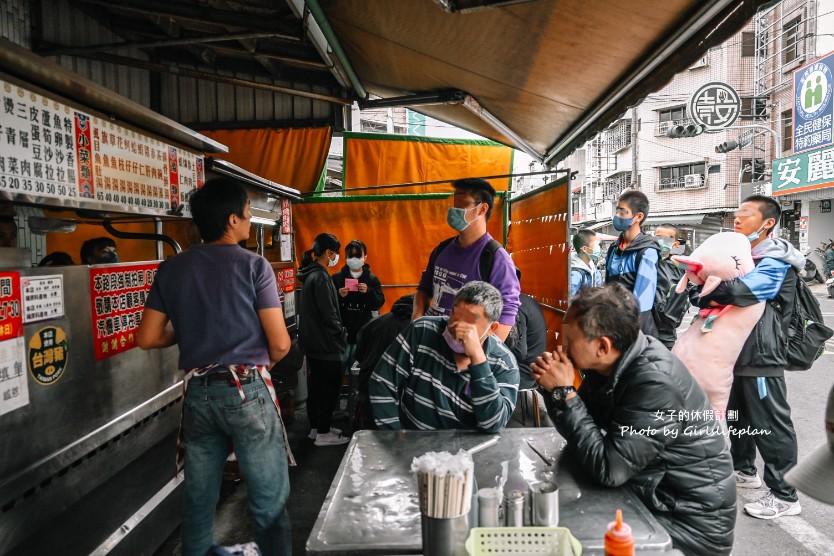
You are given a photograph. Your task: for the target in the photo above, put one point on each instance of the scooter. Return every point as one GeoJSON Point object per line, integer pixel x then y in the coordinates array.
{"type": "Point", "coordinates": [811, 271]}
{"type": "Point", "coordinates": [829, 285]}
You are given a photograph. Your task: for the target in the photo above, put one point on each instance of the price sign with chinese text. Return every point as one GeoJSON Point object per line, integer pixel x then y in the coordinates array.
{"type": "Point", "coordinates": [118, 295]}
{"type": "Point", "coordinates": [14, 390]}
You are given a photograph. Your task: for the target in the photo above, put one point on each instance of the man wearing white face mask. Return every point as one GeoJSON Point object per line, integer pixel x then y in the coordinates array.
{"type": "Point", "coordinates": [448, 372]}
{"type": "Point", "coordinates": [583, 262]}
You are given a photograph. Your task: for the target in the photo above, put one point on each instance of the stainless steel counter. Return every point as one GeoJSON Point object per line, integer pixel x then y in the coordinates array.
{"type": "Point", "coordinates": [372, 507]}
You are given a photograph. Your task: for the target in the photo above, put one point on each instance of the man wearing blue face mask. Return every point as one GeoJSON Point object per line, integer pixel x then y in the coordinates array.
{"type": "Point", "coordinates": [583, 261]}
{"type": "Point", "coordinates": [632, 259]}
{"type": "Point", "coordinates": [759, 394]}
{"type": "Point", "coordinates": [448, 372]}
{"type": "Point", "coordinates": [471, 255]}
{"type": "Point", "coordinates": [669, 307]}
{"type": "Point", "coordinates": [99, 250]}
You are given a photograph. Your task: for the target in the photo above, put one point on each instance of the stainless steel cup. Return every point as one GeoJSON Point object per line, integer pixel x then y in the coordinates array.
{"type": "Point", "coordinates": [546, 504]}
{"type": "Point", "coordinates": [445, 537]}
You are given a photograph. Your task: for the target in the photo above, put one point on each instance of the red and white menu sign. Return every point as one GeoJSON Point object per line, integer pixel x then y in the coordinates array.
{"type": "Point", "coordinates": [118, 295]}
{"type": "Point", "coordinates": [50, 149]}
{"type": "Point", "coordinates": [14, 389]}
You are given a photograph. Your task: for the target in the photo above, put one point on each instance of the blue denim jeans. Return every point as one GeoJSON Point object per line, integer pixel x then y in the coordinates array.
{"type": "Point", "coordinates": [215, 419]}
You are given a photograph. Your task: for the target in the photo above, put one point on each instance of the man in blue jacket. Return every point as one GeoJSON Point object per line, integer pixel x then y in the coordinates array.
{"type": "Point", "coordinates": [632, 259]}
{"type": "Point", "coordinates": [759, 395]}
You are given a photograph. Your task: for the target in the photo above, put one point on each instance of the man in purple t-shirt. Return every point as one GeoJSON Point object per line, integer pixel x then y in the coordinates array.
{"type": "Point", "coordinates": [458, 261]}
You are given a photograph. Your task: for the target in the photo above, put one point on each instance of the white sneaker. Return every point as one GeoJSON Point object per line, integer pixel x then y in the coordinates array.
{"type": "Point", "coordinates": [743, 480]}
{"type": "Point", "coordinates": [771, 507]}
{"type": "Point", "coordinates": [314, 433]}
{"type": "Point", "coordinates": [330, 439]}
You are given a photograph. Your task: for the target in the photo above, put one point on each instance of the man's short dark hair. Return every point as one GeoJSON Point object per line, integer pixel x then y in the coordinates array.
{"type": "Point", "coordinates": [636, 201]}
{"type": "Point", "coordinates": [768, 206]}
{"type": "Point", "coordinates": [477, 188]}
{"type": "Point", "coordinates": [583, 238]}
{"type": "Point", "coordinates": [214, 203]}
{"type": "Point", "coordinates": [89, 248]}
{"type": "Point", "coordinates": [609, 311]}
{"type": "Point", "coordinates": [57, 258]}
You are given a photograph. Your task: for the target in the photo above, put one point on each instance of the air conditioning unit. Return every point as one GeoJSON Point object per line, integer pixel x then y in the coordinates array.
{"type": "Point", "coordinates": [692, 181]}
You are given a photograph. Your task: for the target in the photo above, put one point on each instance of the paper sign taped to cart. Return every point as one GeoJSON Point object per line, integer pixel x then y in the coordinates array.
{"type": "Point", "coordinates": [118, 295]}
{"type": "Point", "coordinates": [14, 390]}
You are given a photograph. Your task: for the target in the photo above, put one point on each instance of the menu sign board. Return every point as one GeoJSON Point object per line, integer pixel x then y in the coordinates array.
{"type": "Point", "coordinates": [118, 295]}
{"type": "Point", "coordinates": [14, 389]}
{"type": "Point", "coordinates": [53, 150]}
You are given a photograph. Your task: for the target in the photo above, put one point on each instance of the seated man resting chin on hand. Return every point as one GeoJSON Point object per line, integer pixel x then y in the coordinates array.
{"type": "Point", "coordinates": [448, 373]}
{"type": "Point", "coordinates": [640, 420]}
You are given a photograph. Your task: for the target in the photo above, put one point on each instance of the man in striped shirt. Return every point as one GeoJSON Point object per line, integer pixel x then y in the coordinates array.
{"type": "Point", "coordinates": [448, 372]}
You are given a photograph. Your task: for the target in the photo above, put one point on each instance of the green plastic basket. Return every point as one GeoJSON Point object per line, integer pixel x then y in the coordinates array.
{"type": "Point", "coordinates": [522, 541]}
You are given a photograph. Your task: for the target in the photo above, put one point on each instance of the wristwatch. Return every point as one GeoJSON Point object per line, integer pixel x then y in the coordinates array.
{"type": "Point", "coordinates": [560, 393]}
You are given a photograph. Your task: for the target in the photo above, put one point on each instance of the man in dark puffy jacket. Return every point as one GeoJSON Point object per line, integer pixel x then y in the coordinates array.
{"type": "Point", "coordinates": [640, 420]}
{"type": "Point", "coordinates": [371, 343]}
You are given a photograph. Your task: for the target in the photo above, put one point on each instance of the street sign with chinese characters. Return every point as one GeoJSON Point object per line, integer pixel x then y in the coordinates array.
{"type": "Point", "coordinates": [804, 172]}
{"type": "Point", "coordinates": [715, 105]}
{"type": "Point", "coordinates": [813, 108]}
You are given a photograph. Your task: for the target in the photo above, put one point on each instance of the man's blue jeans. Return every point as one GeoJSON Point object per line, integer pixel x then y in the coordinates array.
{"type": "Point", "coordinates": [215, 419]}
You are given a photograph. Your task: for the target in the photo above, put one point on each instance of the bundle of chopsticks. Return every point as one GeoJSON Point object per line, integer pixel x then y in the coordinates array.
{"type": "Point", "coordinates": [444, 483]}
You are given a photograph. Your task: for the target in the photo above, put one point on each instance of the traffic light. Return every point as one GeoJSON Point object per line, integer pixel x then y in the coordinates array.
{"type": "Point", "coordinates": [726, 147]}
{"type": "Point", "coordinates": [689, 130]}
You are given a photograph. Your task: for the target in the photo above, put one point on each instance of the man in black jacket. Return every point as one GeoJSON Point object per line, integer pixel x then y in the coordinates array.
{"type": "Point", "coordinates": [640, 420]}
{"type": "Point", "coordinates": [371, 343]}
{"type": "Point", "coordinates": [669, 307]}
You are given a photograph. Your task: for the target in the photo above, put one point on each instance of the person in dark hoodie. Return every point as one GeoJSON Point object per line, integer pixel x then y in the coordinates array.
{"type": "Point", "coordinates": [640, 420]}
{"type": "Point", "coordinates": [632, 259]}
{"type": "Point", "coordinates": [371, 343]}
{"type": "Point", "coordinates": [322, 338]}
{"type": "Point", "coordinates": [759, 395]}
{"type": "Point", "coordinates": [360, 293]}
{"type": "Point", "coordinates": [669, 307]}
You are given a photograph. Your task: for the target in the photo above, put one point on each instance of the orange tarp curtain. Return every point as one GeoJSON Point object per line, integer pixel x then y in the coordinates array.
{"type": "Point", "coordinates": [388, 160]}
{"type": "Point", "coordinates": [538, 241]}
{"type": "Point", "coordinates": [291, 157]}
{"type": "Point", "coordinates": [399, 234]}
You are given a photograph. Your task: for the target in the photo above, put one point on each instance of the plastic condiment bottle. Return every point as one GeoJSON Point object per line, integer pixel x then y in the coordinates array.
{"type": "Point", "coordinates": [618, 539]}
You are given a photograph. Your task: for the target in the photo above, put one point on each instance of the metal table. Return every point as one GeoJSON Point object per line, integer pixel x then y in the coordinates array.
{"type": "Point", "coordinates": [372, 506]}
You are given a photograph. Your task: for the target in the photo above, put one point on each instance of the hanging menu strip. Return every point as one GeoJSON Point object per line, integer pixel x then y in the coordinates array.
{"type": "Point", "coordinates": [50, 149]}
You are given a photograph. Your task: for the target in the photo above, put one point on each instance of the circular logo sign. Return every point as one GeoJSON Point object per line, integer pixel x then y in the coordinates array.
{"type": "Point", "coordinates": [715, 105]}
{"type": "Point", "coordinates": [48, 351]}
{"type": "Point", "coordinates": [813, 91]}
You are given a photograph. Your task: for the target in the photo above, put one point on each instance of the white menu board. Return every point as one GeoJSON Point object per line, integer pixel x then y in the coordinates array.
{"type": "Point", "coordinates": [50, 149]}
{"type": "Point", "coordinates": [43, 297]}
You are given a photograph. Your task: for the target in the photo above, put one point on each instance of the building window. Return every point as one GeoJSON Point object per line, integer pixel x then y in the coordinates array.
{"type": "Point", "coordinates": [792, 40]}
{"type": "Point", "coordinates": [752, 171]}
{"type": "Point", "coordinates": [753, 108]}
{"type": "Point", "coordinates": [685, 176]}
{"type": "Point", "coordinates": [619, 136]}
{"type": "Point", "coordinates": [616, 184]}
{"type": "Point", "coordinates": [670, 117]}
{"type": "Point", "coordinates": [787, 130]}
{"type": "Point", "coordinates": [748, 44]}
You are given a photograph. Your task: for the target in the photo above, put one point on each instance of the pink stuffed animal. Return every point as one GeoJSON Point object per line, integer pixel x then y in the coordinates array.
{"type": "Point", "coordinates": [710, 346]}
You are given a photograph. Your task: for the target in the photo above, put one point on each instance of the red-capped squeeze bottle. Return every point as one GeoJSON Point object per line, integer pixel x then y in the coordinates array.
{"type": "Point", "coordinates": [618, 539]}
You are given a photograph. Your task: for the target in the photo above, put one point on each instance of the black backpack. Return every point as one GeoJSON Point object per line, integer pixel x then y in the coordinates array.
{"type": "Point", "coordinates": [806, 332]}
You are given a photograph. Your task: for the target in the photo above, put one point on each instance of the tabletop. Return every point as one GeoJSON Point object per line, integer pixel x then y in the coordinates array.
{"type": "Point", "coordinates": [372, 506]}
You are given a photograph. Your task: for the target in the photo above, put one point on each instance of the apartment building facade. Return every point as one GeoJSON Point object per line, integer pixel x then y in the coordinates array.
{"type": "Point", "coordinates": [687, 182]}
